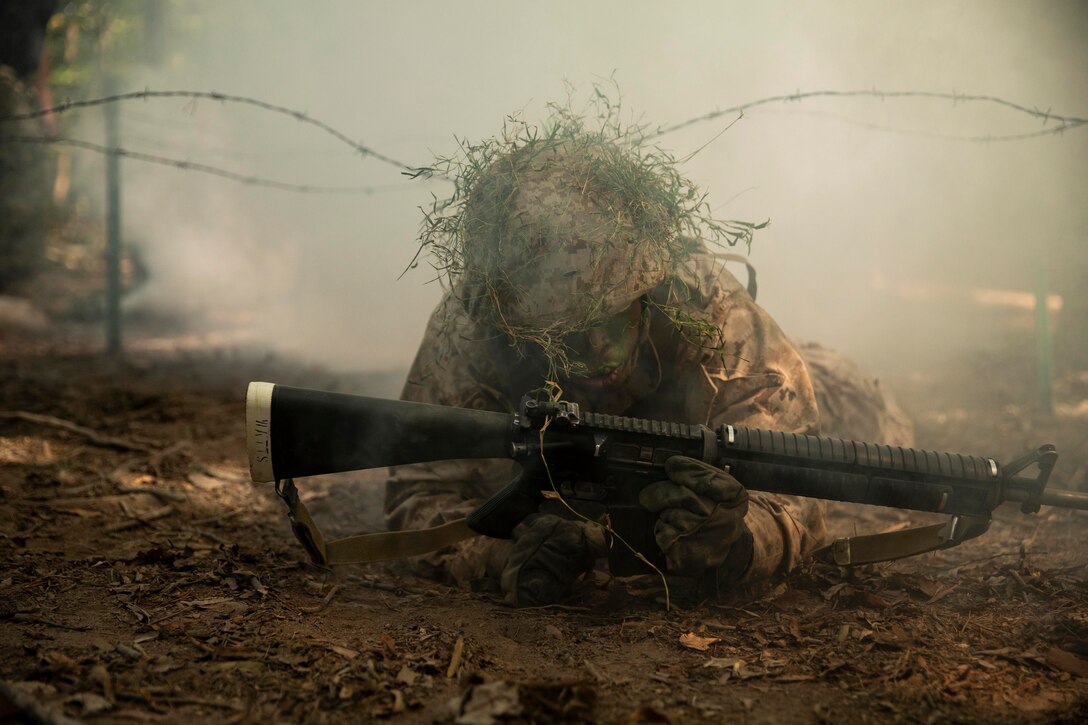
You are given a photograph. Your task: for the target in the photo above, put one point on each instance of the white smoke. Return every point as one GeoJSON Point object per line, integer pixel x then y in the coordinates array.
{"type": "Point", "coordinates": [858, 214]}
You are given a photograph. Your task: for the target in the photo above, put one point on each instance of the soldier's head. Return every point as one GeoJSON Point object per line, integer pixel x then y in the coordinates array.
{"type": "Point", "coordinates": [561, 242]}
{"type": "Point", "coordinates": [555, 235]}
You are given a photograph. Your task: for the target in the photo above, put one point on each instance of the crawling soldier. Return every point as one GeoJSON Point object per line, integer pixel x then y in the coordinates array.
{"type": "Point", "coordinates": [573, 265]}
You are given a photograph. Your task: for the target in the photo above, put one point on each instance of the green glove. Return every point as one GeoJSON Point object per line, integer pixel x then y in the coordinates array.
{"type": "Point", "coordinates": [700, 524]}
{"type": "Point", "coordinates": [548, 556]}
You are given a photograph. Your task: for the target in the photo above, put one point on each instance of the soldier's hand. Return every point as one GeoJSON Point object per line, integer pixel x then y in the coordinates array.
{"type": "Point", "coordinates": [548, 556]}
{"type": "Point", "coordinates": [700, 525]}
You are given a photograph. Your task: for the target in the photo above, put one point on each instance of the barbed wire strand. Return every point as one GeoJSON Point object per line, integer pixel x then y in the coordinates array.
{"type": "Point", "coordinates": [1066, 122]}
{"type": "Point", "coordinates": [145, 94]}
{"type": "Point", "coordinates": [918, 133]}
{"type": "Point", "coordinates": [206, 169]}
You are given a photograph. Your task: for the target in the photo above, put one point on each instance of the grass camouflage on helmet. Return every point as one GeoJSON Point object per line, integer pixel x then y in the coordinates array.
{"type": "Point", "coordinates": [553, 228]}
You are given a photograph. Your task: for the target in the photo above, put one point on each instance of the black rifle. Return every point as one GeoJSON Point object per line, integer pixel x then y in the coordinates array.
{"type": "Point", "coordinates": [598, 464]}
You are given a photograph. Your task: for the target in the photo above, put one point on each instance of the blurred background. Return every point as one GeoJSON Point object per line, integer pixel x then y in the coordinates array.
{"type": "Point", "coordinates": [904, 231]}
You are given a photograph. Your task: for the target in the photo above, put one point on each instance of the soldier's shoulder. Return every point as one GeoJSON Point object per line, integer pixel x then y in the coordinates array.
{"type": "Point", "coordinates": [853, 403]}
{"type": "Point", "coordinates": [455, 364]}
{"type": "Point", "coordinates": [704, 287]}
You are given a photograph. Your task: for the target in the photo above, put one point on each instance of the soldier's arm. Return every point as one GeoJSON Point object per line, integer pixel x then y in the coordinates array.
{"type": "Point", "coordinates": [762, 382]}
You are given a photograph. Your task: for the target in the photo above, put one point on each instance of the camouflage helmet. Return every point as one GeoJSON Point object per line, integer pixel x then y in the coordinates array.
{"type": "Point", "coordinates": [552, 229]}
{"type": "Point", "coordinates": [556, 240]}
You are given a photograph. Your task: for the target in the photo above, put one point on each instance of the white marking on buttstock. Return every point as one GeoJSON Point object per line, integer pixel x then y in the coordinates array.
{"type": "Point", "coordinates": [259, 431]}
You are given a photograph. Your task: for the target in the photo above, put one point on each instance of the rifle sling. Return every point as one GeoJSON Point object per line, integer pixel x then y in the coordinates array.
{"type": "Point", "coordinates": [366, 548]}
{"type": "Point", "coordinates": [873, 548]}
{"type": "Point", "coordinates": [387, 545]}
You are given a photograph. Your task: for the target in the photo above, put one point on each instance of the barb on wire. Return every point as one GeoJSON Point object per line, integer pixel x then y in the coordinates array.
{"type": "Point", "coordinates": [1064, 122]}
{"type": "Point", "coordinates": [214, 96]}
{"type": "Point", "coordinates": [936, 134]}
{"type": "Point", "coordinates": [206, 169]}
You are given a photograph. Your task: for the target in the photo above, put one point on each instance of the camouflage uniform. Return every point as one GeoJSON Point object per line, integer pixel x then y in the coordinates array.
{"type": "Point", "coordinates": [758, 380]}
{"type": "Point", "coordinates": [554, 249]}
{"type": "Point", "coordinates": [853, 404]}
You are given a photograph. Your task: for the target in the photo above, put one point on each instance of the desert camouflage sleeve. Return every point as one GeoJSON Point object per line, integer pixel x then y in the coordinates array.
{"type": "Point", "coordinates": [761, 382]}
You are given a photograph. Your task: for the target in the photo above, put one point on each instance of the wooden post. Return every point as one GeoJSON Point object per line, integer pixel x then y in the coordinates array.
{"type": "Point", "coordinates": [113, 226]}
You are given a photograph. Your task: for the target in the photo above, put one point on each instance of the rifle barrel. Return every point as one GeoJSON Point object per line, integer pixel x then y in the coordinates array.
{"type": "Point", "coordinates": [1065, 499]}
{"type": "Point", "coordinates": [1052, 497]}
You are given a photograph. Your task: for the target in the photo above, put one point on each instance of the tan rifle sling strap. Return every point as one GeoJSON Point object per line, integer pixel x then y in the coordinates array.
{"type": "Point", "coordinates": [389, 545]}
{"type": "Point", "coordinates": [365, 548]}
{"type": "Point", "coordinates": [873, 548]}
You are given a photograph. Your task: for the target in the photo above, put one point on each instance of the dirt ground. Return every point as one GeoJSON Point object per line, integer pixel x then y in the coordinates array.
{"type": "Point", "coordinates": [143, 577]}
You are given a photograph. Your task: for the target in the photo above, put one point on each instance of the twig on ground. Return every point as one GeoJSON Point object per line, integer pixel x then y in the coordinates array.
{"type": "Point", "coordinates": [455, 658]}
{"type": "Point", "coordinates": [117, 478]}
{"type": "Point", "coordinates": [34, 619]}
{"type": "Point", "coordinates": [324, 602]}
{"type": "Point", "coordinates": [140, 520]}
{"type": "Point", "coordinates": [207, 535]}
{"type": "Point", "coordinates": [94, 437]}
{"type": "Point", "coordinates": [217, 519]}
{"type": "Point", "coordinates": [155, 461]}
{"type": "Point", "coordinates": [162, 494]}
{"type": "Point", "coordinates": [978, 560]}
{"type": "Point", "coordinates": [545, 607]}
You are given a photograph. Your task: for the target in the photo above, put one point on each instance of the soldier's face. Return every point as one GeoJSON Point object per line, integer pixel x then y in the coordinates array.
{"type": "Point", "coordinates": [607, 350]}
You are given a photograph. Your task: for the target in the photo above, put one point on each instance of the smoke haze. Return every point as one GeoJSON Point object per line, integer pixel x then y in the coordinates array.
{"type": "Point", "coordinates": [879, 224]}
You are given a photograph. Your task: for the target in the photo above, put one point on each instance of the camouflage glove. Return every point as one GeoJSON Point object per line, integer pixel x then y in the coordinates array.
{"type": "Point", "coordinates": [549, 554]}
{"type": "Point", "coordinates": [700, 524]}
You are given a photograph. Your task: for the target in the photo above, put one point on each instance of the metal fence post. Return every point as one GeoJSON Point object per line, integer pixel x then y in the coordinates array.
{"type": "Point", "coordinates": [113, 225]}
